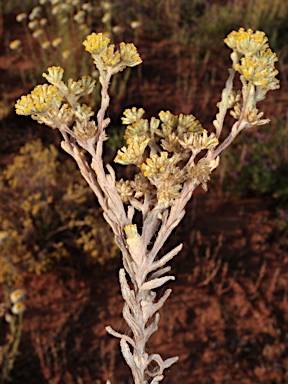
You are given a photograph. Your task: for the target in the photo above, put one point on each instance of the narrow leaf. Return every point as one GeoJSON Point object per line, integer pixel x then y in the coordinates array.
{"type": "Point", "coordinates": [160, 303]}
{"type": "Point", "coordinates": [119, 335]}
{"type": "Point", "coordinates": [127, 293]}
{"type": "Point", "coordinates": [159, 263]}
{"type": "Point", "coordinates": [127, 355]}
{"type": "Point", "coordinates": [131, 321]}
{"type": "Point", "coordinates": [152, 327]}
{"type": "Point", "coordinates": [170, 361]}
{"type": "Point", "coordinates": [155, 283]}
{"type": "Point", "coordinates": [159, 273]}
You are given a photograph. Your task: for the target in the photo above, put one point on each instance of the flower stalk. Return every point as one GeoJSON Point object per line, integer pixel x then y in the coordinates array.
{"type": "Point", "coordinates": [165, 154]}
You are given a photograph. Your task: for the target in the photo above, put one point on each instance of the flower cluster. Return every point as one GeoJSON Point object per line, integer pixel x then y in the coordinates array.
{"type": "Point", "coordinates": [164, 150]}
{"type": "Point", "coordinates": [42, 99]}
{"type": "Point", "coordinates": [106, 56]}
{"type": "Point", "coordinates": [247, 42]}
{"type": "Point", "coordinates": [16, 298]}
{"type": "Point", "coordinates": [172, 155]}
{"type": "Point", "coordinates": [256, 58]}
{"type": "Point", "coordinates": [96, 43]}
{"type": "Point", "coordinates": [57, 104]}
{"type": "Point", "coordinates": [255, 62]}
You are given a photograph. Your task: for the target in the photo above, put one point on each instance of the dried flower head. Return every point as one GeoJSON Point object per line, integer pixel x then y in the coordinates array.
{"type": "Point", "coordinates": [124, 189]}
{"type": "Point", "coordinates": [66, 54]}
{"type": "Point", "coordinates": [254, 117]}
{"type": "Point", "coordinates": [169, 190]}
{"type": "Point", "coordinates": [106, 17]}
{"type": "Point", "coordinates": [43, 22]}
{"type": "Point", "coordinates": [200, 172]}
{"type": "Point", "coordinates": [135, 24]}
{"type": "Point", "coordinates": [46, 44]}
{"type": "Point", "coordinates": [79, 17]}
{"type": "Point", "coordinates": [117, 29]}
{"type": "Point", "coordinates": [18, 308]}
{"type": "Point", "coordinates": [15, 44]}
{"type": "Point", "coordinates": [35, 13]}
{"type": "Point", "coordinates": [33, 24]}
{"type": "Point", "coordinates": [87, 84]}
{"type": "Point", "coordinates": [105, 5]}
{"type": "Point", "coordinates": [141, 186]}
{"type": "Point", "coordinates": [87, 7]}
{"type": "Point", "coordinates": [21, 17]}
{"type": "Point", "coordinates": [85, 130]}
{"type": "Point", "coordinates": [17, 295]}
{"type": "Point", "coordinates": [38, 33]}
{"type": "Point", "coordinates": [56, 42]}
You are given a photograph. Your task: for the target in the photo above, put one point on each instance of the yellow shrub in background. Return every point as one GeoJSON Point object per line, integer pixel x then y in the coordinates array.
{"type": "Point", "coordinates": [47, 211]}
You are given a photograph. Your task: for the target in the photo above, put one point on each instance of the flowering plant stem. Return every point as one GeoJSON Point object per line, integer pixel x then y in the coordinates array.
{"type": "Point", "coordinates": [164, 153]}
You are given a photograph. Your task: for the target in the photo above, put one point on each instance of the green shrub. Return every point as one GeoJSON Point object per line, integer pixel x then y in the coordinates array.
{"type": "Point", "coordinates": [47, 211]}
{"type": "Point", "coordinates": [268, 155]}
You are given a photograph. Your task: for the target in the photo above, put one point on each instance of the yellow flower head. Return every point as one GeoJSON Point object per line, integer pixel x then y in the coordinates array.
{"type": "Point", "coordinates": [247, 42]}
{"type": "Point", "coordinates": [109, 57]}
{"type": "Point", "coordinates": [257, 65]}
{"type": "Point", "coordinates": [168, 118]}
{"type": "Point", "coordinates": [87, 84]}
{"type": "Point", "coordinates": [41, 99]}
{"type": "Point", "coordinates": [260, 69]}
{"type": "Point", "coordinates": [129, 55]}
{"type": "Point", "coordinates": [136, 130]}
{"type": "Point", "coordinates": [54, 75]}
{"type": "Point", "coordinates": [96, 43]}
{"type": "Point", "coordinates": [133, 153]}
{"type": "Point", "coordinates": [132, 115]}
{"type": "Point", "coordinates": [131, 231]}
{"type": "Point", "coordinates": [199, 141]}
{"type": "Point", "coordinates": [189, 123]}
{"type": "Point", "coordinates": [157, 164]}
